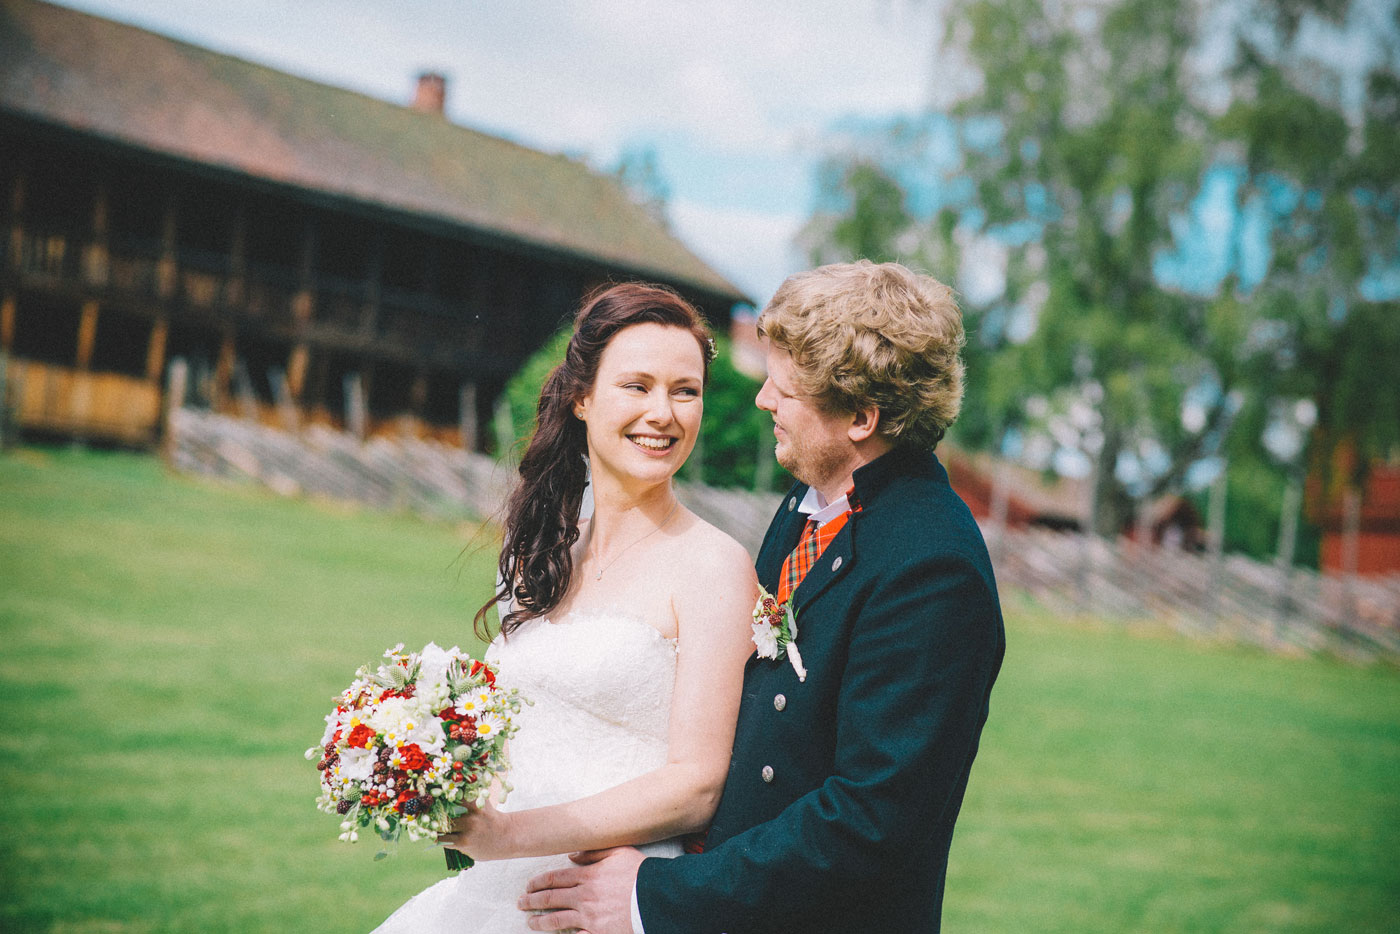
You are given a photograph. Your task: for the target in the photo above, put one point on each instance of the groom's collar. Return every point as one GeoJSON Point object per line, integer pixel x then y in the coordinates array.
{"type": "Point", "coordinates": [872, 478]}
{"type": "Point", "coordinates": [815, 507]}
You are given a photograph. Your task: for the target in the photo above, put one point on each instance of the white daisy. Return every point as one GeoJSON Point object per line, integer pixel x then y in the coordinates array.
{"type": "Point", "coordinates": [488, 725]}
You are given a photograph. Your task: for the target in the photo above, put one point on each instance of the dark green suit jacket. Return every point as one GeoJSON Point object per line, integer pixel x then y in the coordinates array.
{"type": "Point", "coordinates": [838, 810]}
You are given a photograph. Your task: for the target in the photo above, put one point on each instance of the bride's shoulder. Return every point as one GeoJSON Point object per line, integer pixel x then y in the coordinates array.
{"type": "Point", "coordinates": [712, 555]}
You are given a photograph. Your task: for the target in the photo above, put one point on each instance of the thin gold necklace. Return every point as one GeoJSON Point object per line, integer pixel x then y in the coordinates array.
{"type": "Point", "coordinates": [674, 507]}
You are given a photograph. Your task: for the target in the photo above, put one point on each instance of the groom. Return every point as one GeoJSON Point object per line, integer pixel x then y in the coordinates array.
{"type": "Point", "coordinates": [843, 788]}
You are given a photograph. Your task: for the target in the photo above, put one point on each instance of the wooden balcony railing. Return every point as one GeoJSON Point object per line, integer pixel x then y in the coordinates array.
{"type": "Point", "coordinates": [62, 400]}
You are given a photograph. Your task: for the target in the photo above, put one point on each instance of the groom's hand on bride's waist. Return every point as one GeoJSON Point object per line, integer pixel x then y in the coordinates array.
{"type": "Point", "coordinates": [594, 895]}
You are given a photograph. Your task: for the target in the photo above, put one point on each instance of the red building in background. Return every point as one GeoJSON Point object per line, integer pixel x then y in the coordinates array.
{"type": "Point", "coordinates": [1360, 528]}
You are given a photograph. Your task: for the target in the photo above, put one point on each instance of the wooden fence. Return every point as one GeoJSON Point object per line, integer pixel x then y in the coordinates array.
{"type": "Point", "coordinates": [1230, 598]}
{"type": "Point", "coordinates": [422, 476]}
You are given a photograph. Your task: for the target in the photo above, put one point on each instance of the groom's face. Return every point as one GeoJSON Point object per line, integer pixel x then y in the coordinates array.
{"type": "Point", "coordinates": [812, 444]}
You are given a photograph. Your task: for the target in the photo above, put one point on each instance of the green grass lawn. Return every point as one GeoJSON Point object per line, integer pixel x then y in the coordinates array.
{"type": "Point", "coordinates": [170, 647]}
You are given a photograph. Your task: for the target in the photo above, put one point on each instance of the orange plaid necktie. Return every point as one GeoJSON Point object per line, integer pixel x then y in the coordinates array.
{"type": "Point", "coordinates": [809, 548]}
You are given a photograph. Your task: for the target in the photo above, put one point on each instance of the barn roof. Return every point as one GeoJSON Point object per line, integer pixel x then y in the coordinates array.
{"type": "Point", "coordinates": [156, 93]}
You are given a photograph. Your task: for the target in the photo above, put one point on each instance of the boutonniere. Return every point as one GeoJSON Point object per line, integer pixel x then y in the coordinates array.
{"type": "Point", "coordinates": [775, 631]}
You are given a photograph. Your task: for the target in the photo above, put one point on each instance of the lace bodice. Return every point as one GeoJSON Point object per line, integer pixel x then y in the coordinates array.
{"type": "Point", "coordinates": [601, 684]}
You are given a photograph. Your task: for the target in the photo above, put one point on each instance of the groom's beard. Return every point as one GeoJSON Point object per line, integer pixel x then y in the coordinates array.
{"type": "Point", "coordinates": [814, 463]}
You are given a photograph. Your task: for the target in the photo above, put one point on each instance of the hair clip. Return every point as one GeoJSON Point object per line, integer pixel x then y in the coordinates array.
{"type": "Point", "coordinates": [710, 351]}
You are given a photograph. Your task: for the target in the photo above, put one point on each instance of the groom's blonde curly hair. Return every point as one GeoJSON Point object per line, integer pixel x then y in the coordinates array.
{"type": "Point", "coordinates": [864, 333]}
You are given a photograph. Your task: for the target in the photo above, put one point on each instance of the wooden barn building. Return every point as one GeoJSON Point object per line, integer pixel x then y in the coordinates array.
{"type": "Point", "coordinates": [312, 252]}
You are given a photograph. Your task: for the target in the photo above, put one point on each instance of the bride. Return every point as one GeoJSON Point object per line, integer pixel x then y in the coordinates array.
{"type": "Point", "coordinates": [629, 631]}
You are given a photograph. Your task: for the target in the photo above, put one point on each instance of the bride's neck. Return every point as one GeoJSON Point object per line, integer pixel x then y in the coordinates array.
{"type": "Point", "coordinates": [621, 514]}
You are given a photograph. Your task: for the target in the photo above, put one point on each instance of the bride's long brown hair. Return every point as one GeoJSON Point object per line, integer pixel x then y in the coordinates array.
{"type": "Point", "coordinates": [536, 562]}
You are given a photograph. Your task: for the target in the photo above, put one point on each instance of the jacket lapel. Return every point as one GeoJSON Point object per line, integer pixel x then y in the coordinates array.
{"type": "Point", "coordinates": [833, 564]}
{"type": "Point", "coordinates": [789, 522]}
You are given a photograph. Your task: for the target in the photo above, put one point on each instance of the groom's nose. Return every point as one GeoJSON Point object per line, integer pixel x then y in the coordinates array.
{"type": "Point", "coordinates": [764, 399]}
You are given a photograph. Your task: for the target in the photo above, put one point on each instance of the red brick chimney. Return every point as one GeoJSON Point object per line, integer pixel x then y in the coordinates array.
{"type": "Point", "coordinates": [431, 95]}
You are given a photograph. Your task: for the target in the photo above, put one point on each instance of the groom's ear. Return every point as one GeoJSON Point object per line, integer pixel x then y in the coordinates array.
{"type": "Point", "coordinates": [864, 423]}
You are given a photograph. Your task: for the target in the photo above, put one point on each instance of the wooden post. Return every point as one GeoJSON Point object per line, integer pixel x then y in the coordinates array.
{"type": "Point", "coordinates": [466, 415]}
{"type": "Point", "coordinates": [418, 394]}
{"type": "Point", "coordinates": [16, 220]}
{"type": "Point", "coordinates": [356, 412]}
{"type": "Point", "coordinates": [369, 317]}
{"type": "Point", "coordinates": [155, 349]}
{"type": "Point", "coordinates": [1287, 541]}
{"type": "Point", "coordinates": [243, 389]}
{"type": "Point", "coordinates": [175, 392]}
{"type": "Point", "coordinates": [304, 303]}
{"type": "Point", "coordinates": [223, 371]}
{"type": "Point", "coordinates": [8, 310]}
{"type": "Point", "coordinates": [95, 256]}
{"type": "Point", "coordinates": [303, 309]}
{"type": "Point", "coordinates": [296, 371]}
{"type": "Point", "coordinates": [234, 289]}
{"type": "Point", "coordinates": [281, 392]}
{"type": "Point", "coordinates": [1082, 586]}
{"type": "Point", "coordinates": [87, 334]}
{"type": "Point", "coordinates": [1216, 538]}
{"type": "Point", "coordinates": [166, 272]}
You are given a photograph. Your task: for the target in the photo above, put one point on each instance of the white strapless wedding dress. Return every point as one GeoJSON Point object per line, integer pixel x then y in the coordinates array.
{"type": "Point", "coordinates": [601, 685]}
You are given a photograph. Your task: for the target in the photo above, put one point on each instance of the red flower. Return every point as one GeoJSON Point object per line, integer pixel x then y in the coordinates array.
{"type": "Point", "coordinates": [487, 673]}
{"type": "Point", "coordinates": [413, 758]}
{"type": "Point", "coordinates": [360, 737]}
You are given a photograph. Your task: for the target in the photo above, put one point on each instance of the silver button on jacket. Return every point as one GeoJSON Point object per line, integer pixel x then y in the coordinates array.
{"type": "Point", "coordinates": [767, 773]}
{"type": "Point", "coordinates": [779, 702]}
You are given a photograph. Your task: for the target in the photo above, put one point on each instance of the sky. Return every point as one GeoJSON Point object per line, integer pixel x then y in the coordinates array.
{"type": "Point", "coordinates": [734, 97]}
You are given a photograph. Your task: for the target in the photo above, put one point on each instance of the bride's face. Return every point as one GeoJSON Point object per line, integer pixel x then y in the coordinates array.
{"type": "Point", "coordinates": [643, 413]}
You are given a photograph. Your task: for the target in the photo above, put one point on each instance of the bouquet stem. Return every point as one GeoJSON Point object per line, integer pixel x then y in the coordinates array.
{"type": "Point", "coordinates": [457, 860]}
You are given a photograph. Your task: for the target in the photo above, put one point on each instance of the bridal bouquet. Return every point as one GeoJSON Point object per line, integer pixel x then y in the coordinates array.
{"type": "Point", "coordinates": [411, 742]}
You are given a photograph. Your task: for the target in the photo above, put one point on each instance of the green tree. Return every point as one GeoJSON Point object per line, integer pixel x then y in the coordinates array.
{"type": "Point", "coordinates": [1096, 136]}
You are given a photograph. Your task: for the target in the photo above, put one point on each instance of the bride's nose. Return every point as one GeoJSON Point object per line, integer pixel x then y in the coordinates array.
{"type": "Point", "coordinates": [659, 411]}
